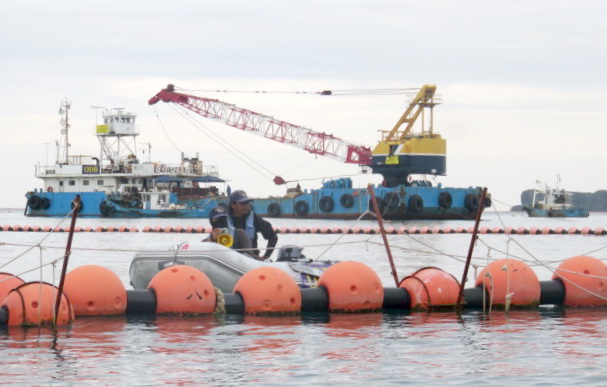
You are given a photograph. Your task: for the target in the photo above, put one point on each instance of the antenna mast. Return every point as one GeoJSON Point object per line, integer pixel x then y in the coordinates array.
{"type": "Point", "coordinates": [64, 143]}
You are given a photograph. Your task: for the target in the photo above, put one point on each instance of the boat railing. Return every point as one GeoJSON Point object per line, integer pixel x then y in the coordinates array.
{"type": "Point", "coordinates": [192, 169]}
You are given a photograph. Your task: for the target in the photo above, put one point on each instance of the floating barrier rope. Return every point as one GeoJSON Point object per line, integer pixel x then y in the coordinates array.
{"type": "Point", "coordinates": [599, 231]}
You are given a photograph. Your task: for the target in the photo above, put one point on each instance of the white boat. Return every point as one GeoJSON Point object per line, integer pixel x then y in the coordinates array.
{"type": "Point", "coordinates": [222, 265]}
{"type": "Point", "coordinates": [116, 183]}
{"type": "Point", "coordinates": [553, 203]}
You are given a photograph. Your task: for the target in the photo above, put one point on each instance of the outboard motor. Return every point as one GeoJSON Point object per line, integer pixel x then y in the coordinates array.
{"type": "Point", "coordinates": [290, 253]}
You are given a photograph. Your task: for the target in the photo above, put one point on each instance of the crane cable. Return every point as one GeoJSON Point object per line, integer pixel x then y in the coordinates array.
{"type": "Point", "coordinates": [344, 92]}
{"type": "Point", "coordinates": [218, 140]}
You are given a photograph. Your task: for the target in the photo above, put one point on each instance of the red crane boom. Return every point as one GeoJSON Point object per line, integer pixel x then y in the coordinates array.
{"type": "Point", "coordinates": [314, 142]}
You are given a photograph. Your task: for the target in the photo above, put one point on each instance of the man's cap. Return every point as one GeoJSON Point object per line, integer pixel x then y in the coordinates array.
{"type": "Point", "coordinates": [239, 196]}
{"type": "Point", "coordinates": [218, 212]}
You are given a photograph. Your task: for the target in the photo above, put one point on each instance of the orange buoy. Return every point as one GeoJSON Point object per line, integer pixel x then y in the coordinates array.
{"type": "Point", "coordinates": [269, 290]}
{"type": "Point", "coordinates": [352, 287]}
{"type": "Point", "coordinates": [8, 282]}
{"type": "Point", "coordinates": [584, 280]}
{"type": "Point", "coordinates": [95, 291]}
{"type": "Point", "coordinates": [183, 290]}
{"type": "Point", "coordinates": [510, 277]}
{"type": "Point", "coordinates": [430, 287]}
{"type": "Point", "coordinates": [33, 303]}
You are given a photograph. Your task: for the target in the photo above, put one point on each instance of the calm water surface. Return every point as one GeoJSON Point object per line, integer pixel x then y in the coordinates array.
{"type": "Point", "coordinates": [549, 346]}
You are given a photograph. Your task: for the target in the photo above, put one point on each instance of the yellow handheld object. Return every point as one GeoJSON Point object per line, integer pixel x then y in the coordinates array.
{"type": "Point", "coordinates": [225, 239]}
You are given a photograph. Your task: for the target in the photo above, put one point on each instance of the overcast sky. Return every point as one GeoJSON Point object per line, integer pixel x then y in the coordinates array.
{"type": "Point", "coordinates": [523, 83]}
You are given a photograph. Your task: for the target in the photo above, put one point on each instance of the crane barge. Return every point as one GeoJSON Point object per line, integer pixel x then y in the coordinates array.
{"type": "Point", "coordinates": [401, 154]}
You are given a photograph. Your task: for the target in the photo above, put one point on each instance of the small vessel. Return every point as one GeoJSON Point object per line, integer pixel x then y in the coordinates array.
{"type": "Point", "coordinates": [553, 203]}
{"type": "Point", "coordinates": [403, 157]}
{"type": "Point", "coordinates": [223, 266]}
{"type": "Point", "coordinates": [116, 183]}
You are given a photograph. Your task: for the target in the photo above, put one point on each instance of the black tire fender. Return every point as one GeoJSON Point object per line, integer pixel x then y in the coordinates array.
{"type": "Point", "coordinates": [445, 200]}
{"type": "Point", "coordinates": [471, 202]}
{"type": "Point", "coordinates": [391, 201]}
{"type": "Point", "coordinates": [346, 200]}
{"type": "Point", "coordinates": [273, 210]}
{"type": "Point", "coordinates": [34, 202]}
{"type": "Point", "coordinates": [45, 203]}
{"type": "Point", "coordinates": [416, 204]}
{"type": "Point", "coordinates": [326, 204]}
{"type": "Point", "coordinates": [301, 207]}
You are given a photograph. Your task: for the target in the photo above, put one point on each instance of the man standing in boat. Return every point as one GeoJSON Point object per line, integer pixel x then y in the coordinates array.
{"type": "Point", "coordinates": [241, 216]}
{"type": "Point", "coordinates": [218, 218]}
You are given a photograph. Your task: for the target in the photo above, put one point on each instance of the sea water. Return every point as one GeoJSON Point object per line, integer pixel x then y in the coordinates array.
{"type": "Point", "coordinates": [547, 346]}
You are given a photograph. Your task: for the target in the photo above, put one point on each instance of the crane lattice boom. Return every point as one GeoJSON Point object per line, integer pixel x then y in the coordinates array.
{"type": "Point", "coordinates": [314, 142]}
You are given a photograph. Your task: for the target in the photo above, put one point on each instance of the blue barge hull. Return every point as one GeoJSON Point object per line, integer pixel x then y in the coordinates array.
{"type": "Point", "coordinates": [336, 200]}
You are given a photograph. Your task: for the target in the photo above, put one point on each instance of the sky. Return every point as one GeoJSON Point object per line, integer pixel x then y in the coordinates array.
{"type": "Point", "coordinates": [523, 84]}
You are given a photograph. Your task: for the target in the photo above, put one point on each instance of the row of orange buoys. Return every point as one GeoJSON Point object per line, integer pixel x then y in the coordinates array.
{"type": "Point", "coordinates": [349, 286]}
{"type": "Point", "coordinates": [67, 229]}
{"type": "Point", "coordinates": [599, 231]}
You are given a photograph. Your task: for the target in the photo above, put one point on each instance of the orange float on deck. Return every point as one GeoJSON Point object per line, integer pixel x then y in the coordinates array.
{"type": "Point", "coordinates": [95, 291]}
{"type": "Point", "coordinates": [269, 290]}
{"type": "Point", "coordinates": [8, 282]}
{"type": "Point", "coordinates": [584, 280]}
{"type": "Point", "coordinates": [352, 287]}
{"type": "Point", "coordinates": [430, 287]}
{"type": "Point", "coordinates": [183, 290]}
{"type": "Point", "coordinates": [510, 277]}
{"type": "Point", "coordinates": [33, 304]}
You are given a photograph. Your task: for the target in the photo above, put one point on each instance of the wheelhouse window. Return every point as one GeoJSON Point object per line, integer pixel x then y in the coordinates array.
{"type": "Point", "coordinates": [99, 182]}
{"type": "Point", "coordinates": [61, 183]}
{"type": "Point", "coordinates": [85, 182]}
{"type": "Point", "coordinates": [71, 182]}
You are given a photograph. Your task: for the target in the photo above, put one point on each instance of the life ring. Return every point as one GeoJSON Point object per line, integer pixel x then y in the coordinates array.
{"type": "Point", "coordinates": [273, 210]}
{"type": "Point", "coordinates": [445, 200]}
{"type": "Point", "coordinates": [416, 204]}
{"type": "Point", "coordinates": [301, 207]}
{"type": "Point", "coordinates": [346, 200]}
{"type": "Point", "coordinates": [79, 207]}
{"type": "Point", "coordinates": [45, 203]}
{"type": "Point", "coordinates": [471, 202]}
{"type": "Point", "coordinates": [391, 201]}
{"type": "Point", "coordinates": [326, 204]}
{"type": "Point", "coordinates": [49, 189]}
{"type": "Point", "coordinates": [34, 202]}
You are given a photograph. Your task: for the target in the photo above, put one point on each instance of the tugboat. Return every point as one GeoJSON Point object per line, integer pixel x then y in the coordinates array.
{"type": "Point", "coordinates": [553, 203]}
{"type": "Point", "coordinates": [403, 157]}
{"type": "Point", "coordinates": [116, 183]}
